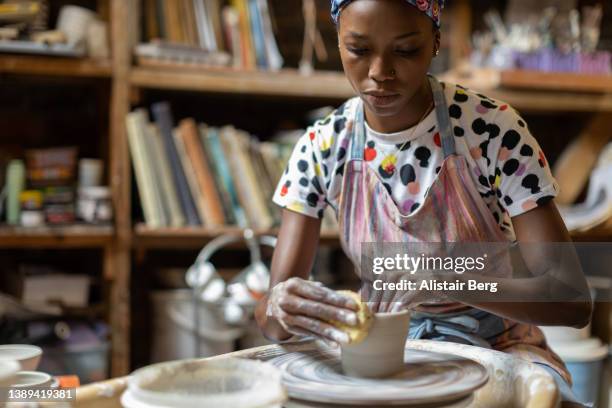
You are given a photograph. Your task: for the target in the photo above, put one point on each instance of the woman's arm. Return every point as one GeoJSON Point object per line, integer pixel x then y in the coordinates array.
{"type": "Point", "coordinates": [302, 304]}
{"type": "Point", "coordinates": [542, 227]}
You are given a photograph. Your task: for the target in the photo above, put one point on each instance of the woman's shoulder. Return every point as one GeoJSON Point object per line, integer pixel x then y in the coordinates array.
{"type": "Point", "coordinates": [480, 112]}
{"type": "Point", "coordinates": [330, 133]}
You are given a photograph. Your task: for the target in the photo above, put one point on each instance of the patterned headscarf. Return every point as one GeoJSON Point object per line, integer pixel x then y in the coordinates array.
{"type": "Point", "coordinates": [433, 8]}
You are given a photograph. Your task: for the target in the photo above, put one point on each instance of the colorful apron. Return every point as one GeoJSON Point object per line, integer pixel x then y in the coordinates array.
{"type": "Point", "coordinates": [452, 211]}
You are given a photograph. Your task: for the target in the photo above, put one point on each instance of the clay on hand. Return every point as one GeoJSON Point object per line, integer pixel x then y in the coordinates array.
{"type": "Point", "coordinates": [305, 308]}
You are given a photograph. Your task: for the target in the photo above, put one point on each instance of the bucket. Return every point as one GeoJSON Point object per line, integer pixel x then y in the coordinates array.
{"type": "Point", "coordinates": [584, 360]}
{"type": "Point", "coordinates": [219, 383]}
{"type": "Point", "coordinates": [174, 328]}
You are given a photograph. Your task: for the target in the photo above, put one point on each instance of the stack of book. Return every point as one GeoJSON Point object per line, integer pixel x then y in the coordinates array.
{"type": "Point", "coordinates": [199, 175]}
{"type": "Point", "coordinates": [204, 32]}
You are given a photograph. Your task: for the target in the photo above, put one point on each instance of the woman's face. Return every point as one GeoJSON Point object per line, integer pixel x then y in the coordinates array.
{"type": "Point", "coordinates": [386, 47]}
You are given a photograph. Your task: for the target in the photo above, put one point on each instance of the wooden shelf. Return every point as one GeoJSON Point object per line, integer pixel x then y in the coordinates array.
{"type": "Point", "coordinates": [533, 92]}
{"type": "Point", "coordinates": [73, 236]}
{"type": "Point", "coordinates": [561, 81]}
{"type": "Point", "coordinates": [54, 66]}
{"type": "Point", "coordinates": [283, 83]}
{"type": "Point", "coordinates": [194, 238]}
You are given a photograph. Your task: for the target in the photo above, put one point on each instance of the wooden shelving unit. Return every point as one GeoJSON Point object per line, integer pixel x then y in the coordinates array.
{"type": "Point", "coordinates": [73, 236]}
{"type": "Point", "coordinates": [525, 91]}
{"type": "Point", "coordinates": [52, 66]}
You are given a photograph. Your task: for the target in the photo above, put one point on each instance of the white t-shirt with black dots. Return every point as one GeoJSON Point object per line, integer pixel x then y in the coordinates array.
{"type": "Point", "coordinates": [507, 164]}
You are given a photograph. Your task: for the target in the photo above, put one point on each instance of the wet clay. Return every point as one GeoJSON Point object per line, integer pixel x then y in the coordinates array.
{"type": "Point", "coordinates": [381, 353]}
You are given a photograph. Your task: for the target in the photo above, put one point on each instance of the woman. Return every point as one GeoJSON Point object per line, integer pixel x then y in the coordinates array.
{"type": "Point", "coordinates": [376, 160]}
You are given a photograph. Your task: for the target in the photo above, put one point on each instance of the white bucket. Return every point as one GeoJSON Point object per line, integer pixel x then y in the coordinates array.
{"type": "Point", "coordinates": [221, 383]}
{"type": "Point", "coordinates": [174, 331]}
{"type": "Point", "coordinates": [584, 359]}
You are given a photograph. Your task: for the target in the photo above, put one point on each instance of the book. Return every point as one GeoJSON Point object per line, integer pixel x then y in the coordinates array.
{"type": "Point", "coordinates": [213, 9]}
{"type": "Point", "coordinates": [231, 28]}
{"type": "Point", "coordinates": [176, 216]}
{"type": "Point", "coordinates": [201, 17]}
{"type": "Point", "coordinates": [213, 144]}
{"type": "Point", "coordinates": [224, 196]}
{"type": "Point", "coordinates": [161, 20]}
{"type": "Point", "coordinates": [15, 184]}
{"type": "Point", "coordinates": [246, 38]}
{"type": "Point", "coordinates": [150, 17]}
{"type": "Point", "coordinates": [163, 118]}
{"type": "Point", "coordinates": [139, 162]}
{"type": "Point", "coordinates": [188, 20]}
{"type": "Point", "coordinates": [209, 196]}
{"type": "Point", "coordinates": [273, 56]}
{"type": "Point", "coordinates": [249, 191]}
{"type": "Point", "coordinates": [172, 19]}
{"type": "Point", "coordinates": [192, 182]}
{"type": "Point", "coordinates": [261, 57]}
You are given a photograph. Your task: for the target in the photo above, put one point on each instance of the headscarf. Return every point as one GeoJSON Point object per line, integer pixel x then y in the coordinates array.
{"type": "Point", "coordinates": [432, 8]}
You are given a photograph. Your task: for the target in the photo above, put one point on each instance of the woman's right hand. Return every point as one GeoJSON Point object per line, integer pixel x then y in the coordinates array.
{"type": "Point", "coordinates": [304, 308]}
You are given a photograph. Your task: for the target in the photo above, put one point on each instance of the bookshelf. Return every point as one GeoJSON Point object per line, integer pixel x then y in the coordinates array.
{"type": "Point", "coordinates": [526, 91]}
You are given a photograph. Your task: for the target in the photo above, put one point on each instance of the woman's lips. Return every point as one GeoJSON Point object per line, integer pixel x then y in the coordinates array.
{"type": "Point", "coordinates": [381, 100]}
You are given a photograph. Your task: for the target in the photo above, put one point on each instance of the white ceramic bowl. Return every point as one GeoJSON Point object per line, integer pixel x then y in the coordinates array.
{"type": "Point", "coordinates": [27, 355]}
{"type": "Point", "coordinates": [8, 369]}
{"type": "Point", "coordinates": [25, 379]}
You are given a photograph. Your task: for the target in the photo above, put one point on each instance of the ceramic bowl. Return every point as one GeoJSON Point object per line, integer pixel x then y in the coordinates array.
{"type": "Point", "coordinates": [8, 369]}
{"type": "Point", "coordinates": [381, 354]}
{"type": "Point", "coordinates": [25, 379]}
{"type": "Point", "coordinates": [27, 355]}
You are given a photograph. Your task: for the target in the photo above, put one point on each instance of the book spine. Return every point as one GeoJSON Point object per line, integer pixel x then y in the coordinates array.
{"type": "Point", "coordinates": [211, 202]}
{"type": "Point", "coordinates": [163, 118]}
{"type": "Point", "coordinates": [233, 37]}
{"type": "Point", "coordinates": [176, 216]}
{"type": "Point", "coordinates": [274, 57]}
{"type": "Point", "coordinates": [194, 188]}
{"type": "Point", "coordinates": [15, 180]}
{"type": "Point", "coordinates": [257, 34]}
{"type": "Point", "coordinates": [138, 161]}
{"type": "Point", "coordinates": [212, 146]}
{"type": "Point", "coordinates": [213, 8]}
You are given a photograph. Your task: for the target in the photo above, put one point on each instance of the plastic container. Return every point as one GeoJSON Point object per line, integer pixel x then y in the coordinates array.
{"type": "Point", "coordinates": [564, 334]}
{"type": "Point", "coordinates": [584, 360]}
{"type": "Point", "coordinates": [174, 333]}
{"type": "Point", "coordinates": [221, 383]}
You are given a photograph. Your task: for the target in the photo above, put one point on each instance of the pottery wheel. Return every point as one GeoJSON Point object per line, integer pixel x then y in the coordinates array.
{"type": "Point", "coordinates": [428, 378]}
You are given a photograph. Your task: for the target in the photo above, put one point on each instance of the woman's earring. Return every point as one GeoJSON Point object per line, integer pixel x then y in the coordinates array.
{"type": "Point", "coordinates": [437, 52]}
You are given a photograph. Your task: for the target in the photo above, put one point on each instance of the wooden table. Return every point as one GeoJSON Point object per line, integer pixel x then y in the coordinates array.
{"type": "Point", "coordinates": [512, 382]}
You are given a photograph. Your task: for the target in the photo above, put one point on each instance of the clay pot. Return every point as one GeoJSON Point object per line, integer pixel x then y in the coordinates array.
{"type": "Point", "coordinates": [381, 354]}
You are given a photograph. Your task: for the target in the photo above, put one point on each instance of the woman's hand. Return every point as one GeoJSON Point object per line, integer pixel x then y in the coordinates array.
{"type": "Point", "coordinates": [304, 308]}
{"type": "Point", "coordinates": [394, 300]}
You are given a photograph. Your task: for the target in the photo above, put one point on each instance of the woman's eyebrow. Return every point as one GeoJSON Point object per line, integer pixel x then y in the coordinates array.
{"type": "Point", "coordinates": [399, 37]}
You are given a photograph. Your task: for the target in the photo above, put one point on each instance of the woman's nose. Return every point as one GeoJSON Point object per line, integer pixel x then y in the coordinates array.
{"type": "Point", "coordinates": [381, 70]}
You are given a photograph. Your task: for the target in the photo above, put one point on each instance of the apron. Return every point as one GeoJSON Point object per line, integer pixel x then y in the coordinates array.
{"type": "Point", "coordinates": [452, 211]}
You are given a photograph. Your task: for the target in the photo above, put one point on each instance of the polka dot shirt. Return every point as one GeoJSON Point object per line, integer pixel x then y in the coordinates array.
{"type": "Point", "coordinates": [508, 166]}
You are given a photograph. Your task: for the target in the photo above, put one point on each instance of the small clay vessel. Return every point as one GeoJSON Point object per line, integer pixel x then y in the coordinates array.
{"type": "Point", "coordinates": [381, 354]}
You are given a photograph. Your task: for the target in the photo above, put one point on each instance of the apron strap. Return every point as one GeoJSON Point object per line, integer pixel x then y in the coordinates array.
{"type": "Point", "coordinates": [446, 135]}
{"type": "Point", "coordinates": [358, 136]}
